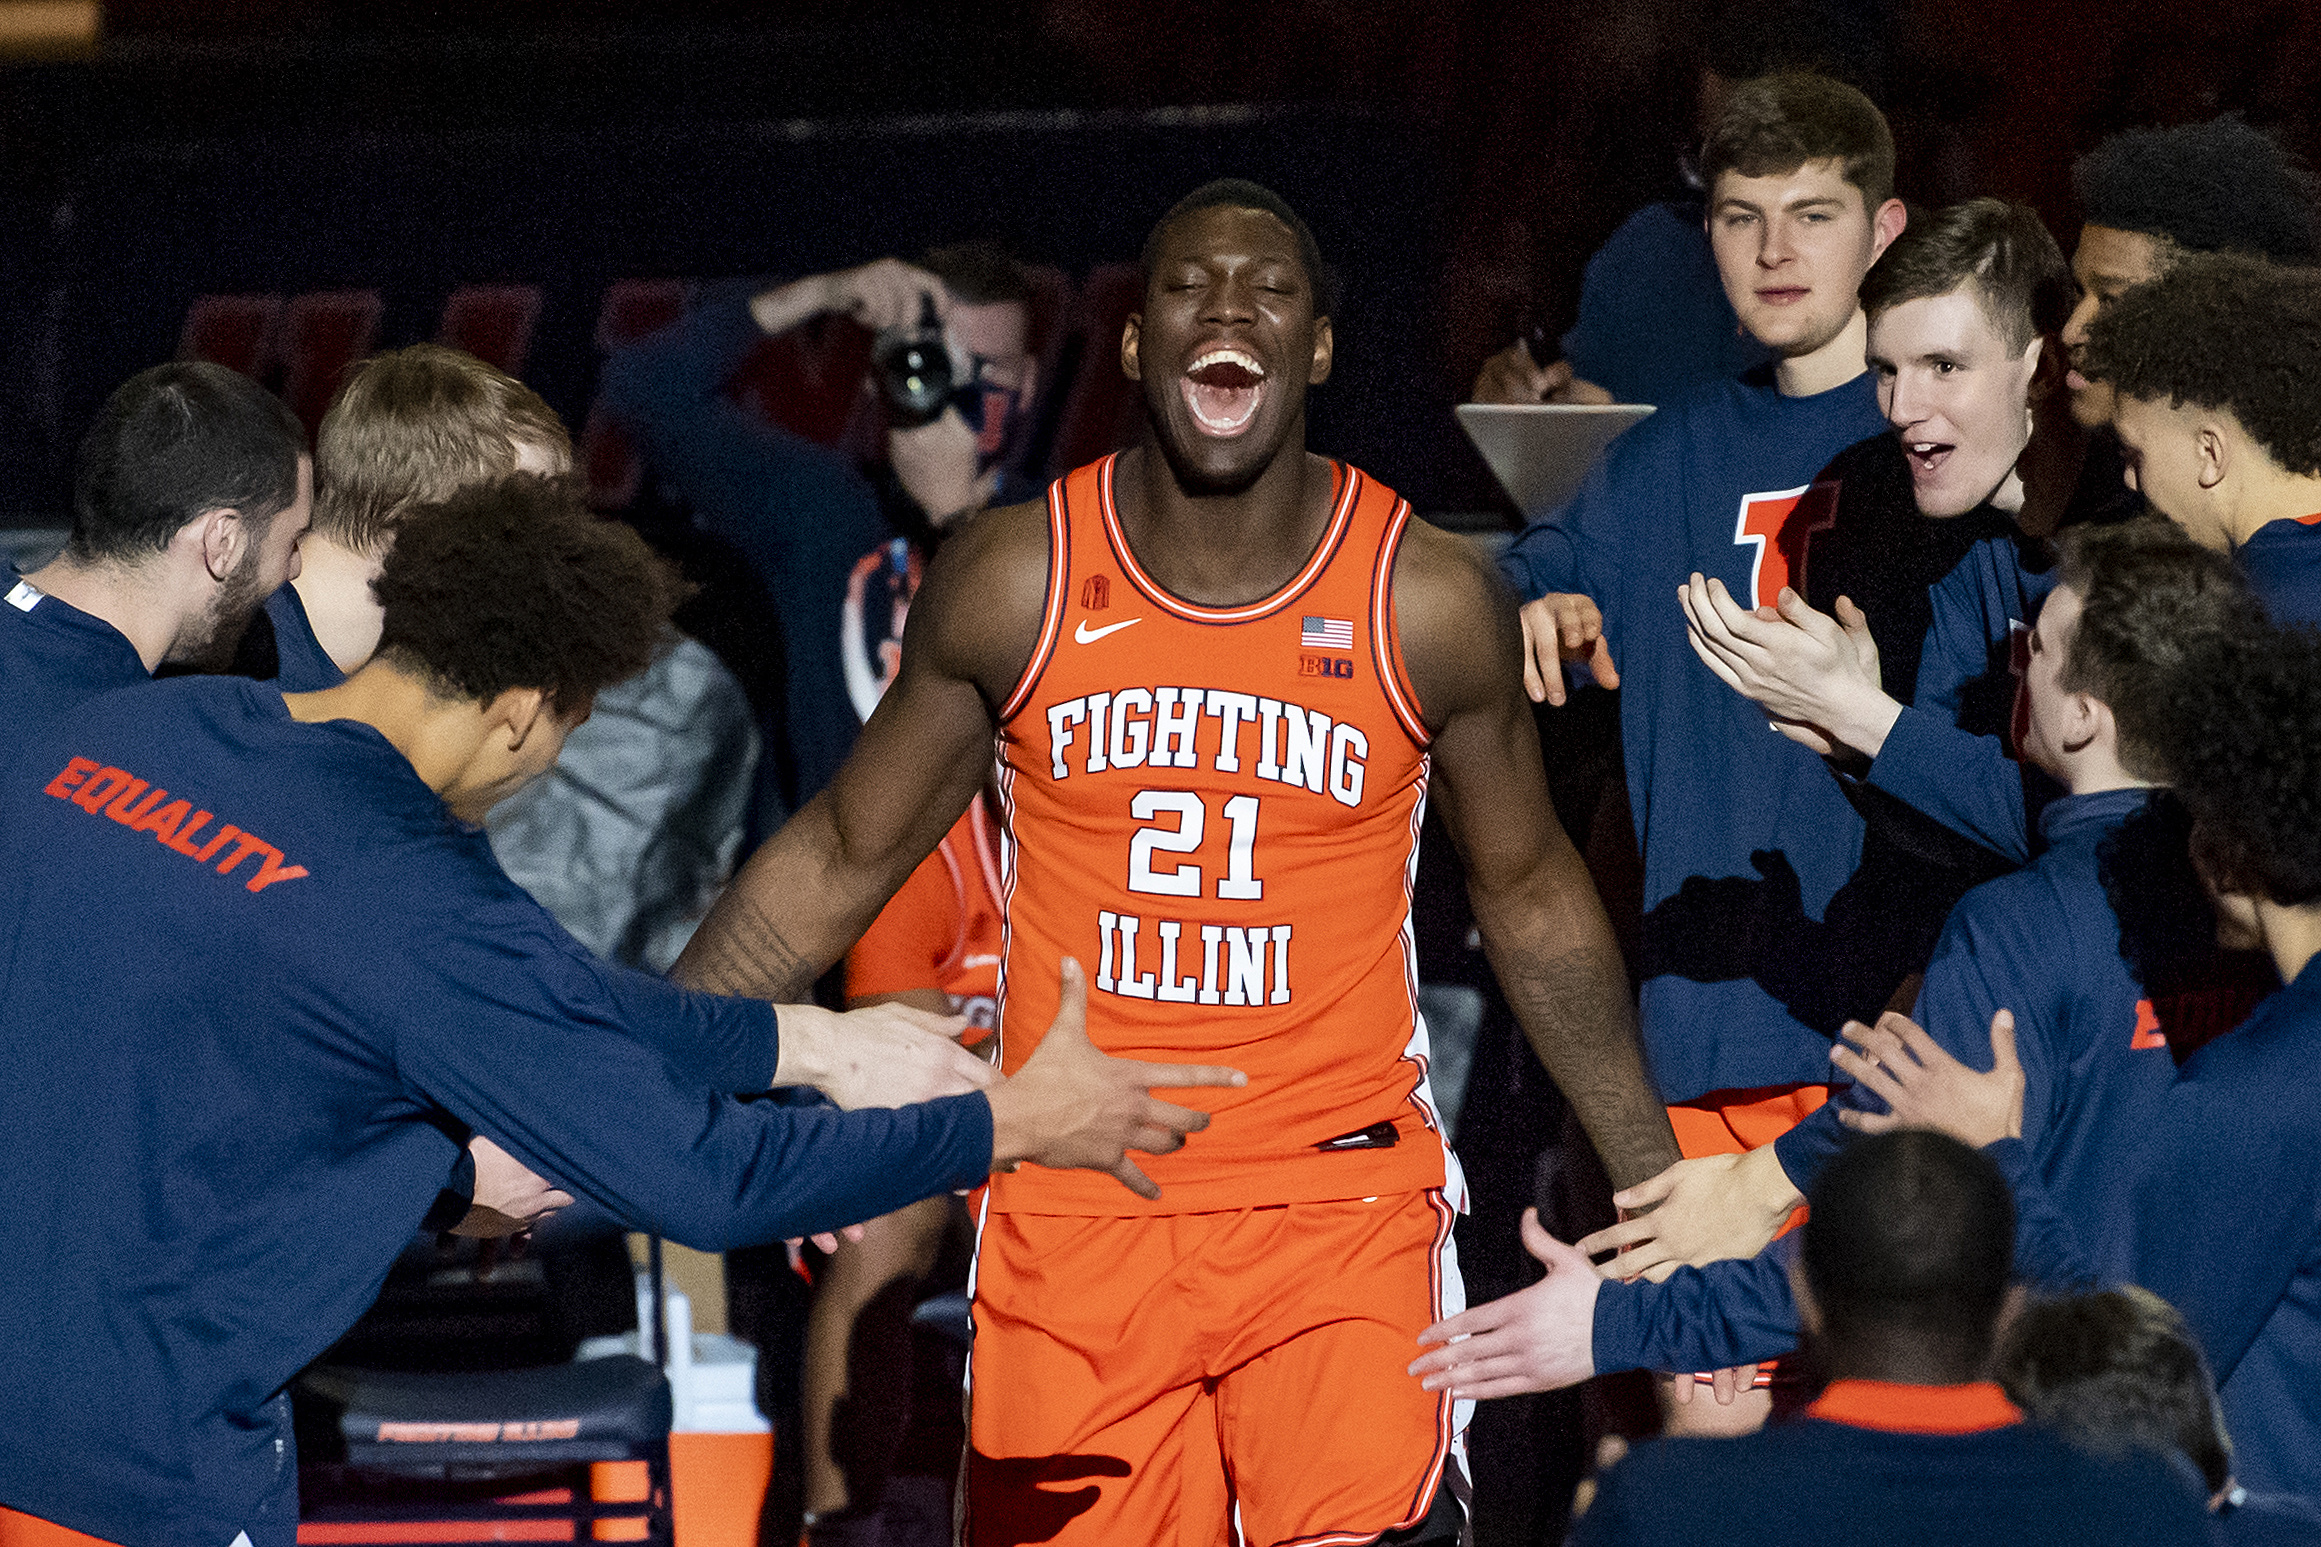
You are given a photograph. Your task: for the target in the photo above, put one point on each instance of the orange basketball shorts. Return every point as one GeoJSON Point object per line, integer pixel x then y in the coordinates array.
{"type": "Point", "coordinates": [1157, 1380]}
{"type": "Point", "coordinates": [1734, 1122]}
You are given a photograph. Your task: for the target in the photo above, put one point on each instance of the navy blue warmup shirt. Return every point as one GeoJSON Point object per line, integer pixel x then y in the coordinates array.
{"type": "Point", "coordinates": [1872, 1462]}
{"type": "Point", "coordinates": [53, 656]}
{"type": "Point", "coordinates": [2282, 560]}
{"type": "Point", "coordinates": [2226, 1222]}
{"type": "Point", "coordinates": [1955, 769]}
{"type": "Point", "coordinates": [1747, 840]}
{"type": "Point", "coordinates": [257, 987]}
{"type": "Point", "coordinates": [279, 647]}
{"type": "Point", "coordinates": [2104, 952]}
{"type": "Point", "coordinates": [302, 665]}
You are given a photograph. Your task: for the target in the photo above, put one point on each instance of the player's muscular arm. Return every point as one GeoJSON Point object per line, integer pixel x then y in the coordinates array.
{"type": "Point", "coordinates": [1543, 926]}
{"type": "Point", "coordinates": [816, 885]}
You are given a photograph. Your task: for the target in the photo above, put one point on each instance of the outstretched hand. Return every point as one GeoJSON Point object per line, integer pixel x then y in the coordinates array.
{"type": "Point", "coordinates": [509, 1196]}
{"type": "Point", "coordinates": [1815, 675]}
{"type": "Point", "coordinates": [1536, 1339]}
{"type": "Point", "coordinates": [1924, 1087]}
{"type": "Point", "coordinates": [1558, 627]}
{"type": "Point", "coordinates": [1702, 1210]}
{"type": "Point", "coordinates": [886, 1055]}
{"type": "Point", "coordinates": [1073, 1106]}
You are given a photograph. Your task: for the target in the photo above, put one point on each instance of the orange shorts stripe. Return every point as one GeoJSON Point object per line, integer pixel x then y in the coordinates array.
{"type": "Point", "coordinates": [1144, 1380]}
{"type": "Point", "coordinates": [21, 1530]}
{"type": "Point", "coordinates": [1734, 1122]}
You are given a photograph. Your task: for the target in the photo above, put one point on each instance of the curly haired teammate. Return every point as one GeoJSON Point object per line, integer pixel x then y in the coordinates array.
{"type": "Point", "coordinates": [1224, 675]}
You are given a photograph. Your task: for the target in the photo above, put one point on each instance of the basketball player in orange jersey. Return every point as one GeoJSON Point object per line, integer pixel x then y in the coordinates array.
{"type": "Point", "coordinates": [1224, 675]}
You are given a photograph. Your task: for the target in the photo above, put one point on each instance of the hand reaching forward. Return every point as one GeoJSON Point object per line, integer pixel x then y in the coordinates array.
{"type": "Point", "coordinates": [1512, 376]}
{"type": "Point", "coordinates": [509, 1196]}
{"type": "Point", "coordinates": [888, 1055]}
{"type": "Point", "coordinates": [1536, 1339]}
{"type": "Point", "coordinates": [1072, 1106]}
{"type": "Point", "coordinates": [1560, 627]}
{"type": "Point", "coordinates": [1925, 1087]}
{"type": "Point", "coordinates": [1713, 1207]}
{"type": "Point", "coordinates": [1817, 676]}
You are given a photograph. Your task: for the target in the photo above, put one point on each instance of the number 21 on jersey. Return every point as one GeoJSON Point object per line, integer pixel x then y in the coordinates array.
{"type": "Point", "coordinates": [1233, 959]}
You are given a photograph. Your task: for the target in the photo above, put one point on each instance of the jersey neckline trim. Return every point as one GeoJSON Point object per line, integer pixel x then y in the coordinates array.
{"type": "Point", "coordinates": [1350, 480]}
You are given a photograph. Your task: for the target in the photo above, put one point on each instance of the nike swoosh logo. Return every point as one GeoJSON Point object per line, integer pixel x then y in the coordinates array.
{"type": "Point", "coordinates": [1088, 636]}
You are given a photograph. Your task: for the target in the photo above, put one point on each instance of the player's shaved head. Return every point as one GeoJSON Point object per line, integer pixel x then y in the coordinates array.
{"type": "Point", "coordinates": [1907, 1253]}
{"type": "Point", "coordinates": [1239, 193]}
{"type": "Point", "coordinates": [516, 583]}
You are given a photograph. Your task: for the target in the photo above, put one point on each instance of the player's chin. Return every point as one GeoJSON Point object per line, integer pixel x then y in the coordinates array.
{"type": "Point", "coordinates": [1221, 462]}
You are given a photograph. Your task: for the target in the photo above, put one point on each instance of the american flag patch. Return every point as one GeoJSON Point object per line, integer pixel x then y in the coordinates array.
{"type": "Point", "coordinates": [1326, 633]}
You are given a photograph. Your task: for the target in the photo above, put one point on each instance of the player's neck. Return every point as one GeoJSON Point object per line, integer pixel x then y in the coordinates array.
{"type": "Point", "coordinates": [2292, 936]}
{"type": "Point", "coordinates": [2046, 476]}
{"type": "Point", "coordinates": [1830, 366]}
{"type": "Point", "coordinates": [1228, 548]}
{"type": "Point", "coordinates": [144, 602]}
{"type": "Point", "coordinates": [436, 734]}
{"type": "Point", "coordinates": [334, 586]}
{"type": "Point", "coordinates": [2273, 494]}
{"type": "Point", "coordinates": [2096, 770]}
{"type": "Point", "coordinates": [1902, 1359]}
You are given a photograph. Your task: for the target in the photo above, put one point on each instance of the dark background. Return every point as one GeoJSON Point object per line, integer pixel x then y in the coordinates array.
{"type": "Point", "coordinates": [1457, 160]}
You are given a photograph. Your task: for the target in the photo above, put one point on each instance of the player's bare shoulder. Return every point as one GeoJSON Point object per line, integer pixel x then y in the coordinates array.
{"type": "Point", "coordinates": [977, 615]}
{"type": "Point", "coordinates": [1456, 621]}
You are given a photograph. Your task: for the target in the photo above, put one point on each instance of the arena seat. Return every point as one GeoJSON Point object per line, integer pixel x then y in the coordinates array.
{"type": "Point", "coordinates": [239, 332]}
{"type": "Point", "coordinates": [569, 1452]}
{"type": "Point", "coordinates": [631, 308]}
{"type": "Point", "coordinates": [324, 332]}
{"type": "Point", "coordinates": [1105, 410]}
{"type": "Point", "coordinates": [565, 1451]}
{"type": "Point", "coordinates": [493, 323]}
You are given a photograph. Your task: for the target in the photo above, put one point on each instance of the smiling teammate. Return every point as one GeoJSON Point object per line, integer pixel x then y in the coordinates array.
{"type": "Point", "coordinates": [1224, 675]}
{"type": "Point", "coordinates": [1757, 943]}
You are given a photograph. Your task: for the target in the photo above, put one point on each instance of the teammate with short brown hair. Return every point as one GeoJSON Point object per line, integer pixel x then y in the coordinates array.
{"type": "Point", "coordinates": [1223, 674]}
{"type": "Point", "coordinates": [410, 427]}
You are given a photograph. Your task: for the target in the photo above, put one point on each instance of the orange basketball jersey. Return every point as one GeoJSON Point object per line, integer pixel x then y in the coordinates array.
{"type": "Point", "coordinates": [1216, 810]}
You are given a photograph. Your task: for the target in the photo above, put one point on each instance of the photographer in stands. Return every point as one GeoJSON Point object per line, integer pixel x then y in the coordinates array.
{"type": "Point", "coordinates": [837, 544]}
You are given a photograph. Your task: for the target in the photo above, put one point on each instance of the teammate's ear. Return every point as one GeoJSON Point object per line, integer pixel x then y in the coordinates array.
{"type": "Point", "coordinates": [2047, 371]}
{"type": "Point", "coordinates": [1887, 224]}
{"type": "Point", "coordinates": [220, 534]}
{"type": "Point", "coordinates": [1130, 332]}
{"type": "Point", "coordinates": [519, 712]}
{"type": "Point", "coordinates": [2215, 451]}
{"type": "Point", "coordinates": [1325, 350]}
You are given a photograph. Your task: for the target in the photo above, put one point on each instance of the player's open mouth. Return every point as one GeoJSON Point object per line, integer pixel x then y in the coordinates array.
{"type": "Point", "coordinates": [1926, 456]}
{"type": "Point", "coordinates": [1223, 387]}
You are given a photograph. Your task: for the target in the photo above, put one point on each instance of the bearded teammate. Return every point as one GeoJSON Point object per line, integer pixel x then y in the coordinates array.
{"type": "Point", "coordinates": [1224, 675]}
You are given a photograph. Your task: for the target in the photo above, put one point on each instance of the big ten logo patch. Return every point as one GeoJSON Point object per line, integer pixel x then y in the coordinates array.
{"type": "Point", "coordinates": [1310, 665]}
{"type": "Point", "coordinates": [1781, 526]}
